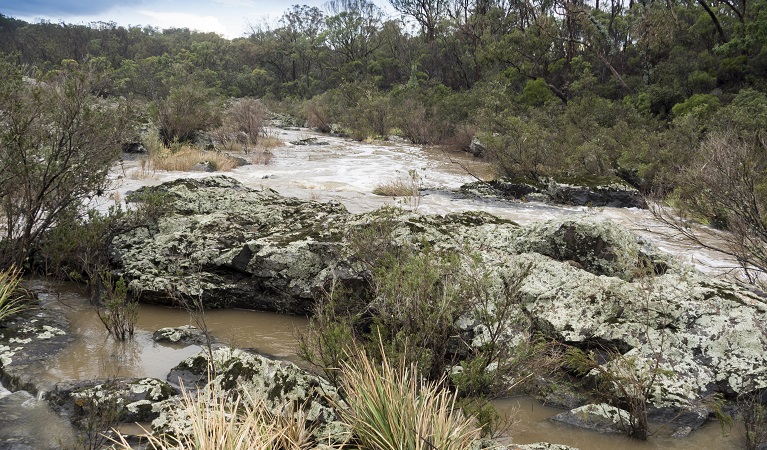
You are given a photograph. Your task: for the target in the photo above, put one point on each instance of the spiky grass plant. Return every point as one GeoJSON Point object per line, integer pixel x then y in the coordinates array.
{"type": "Point", "coordinates": [394, 408]}
{"type": "Point", "coordinates": [10, 301]}
{"type": "Point", "coordinates": [214, 419]}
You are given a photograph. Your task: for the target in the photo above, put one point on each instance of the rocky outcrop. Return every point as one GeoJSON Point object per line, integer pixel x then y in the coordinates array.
{"type": "Point", "coordinates": [584, 191]}
{"type": "Point", "coordinates": [586, 283]}
{"type": "Point", "coordinates": [230, 246]}
{"type": "Point", "coordinates": [126, 400]}
{"type": "Point", "coordinates": [281, 385]}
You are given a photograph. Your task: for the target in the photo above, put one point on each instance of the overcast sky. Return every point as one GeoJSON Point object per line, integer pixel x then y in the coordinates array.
{"type": "Point", "coordinates": [230, 18]}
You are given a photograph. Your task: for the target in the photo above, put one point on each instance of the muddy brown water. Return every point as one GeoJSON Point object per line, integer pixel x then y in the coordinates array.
{"type": "Point", "coordinates": [94, 355]}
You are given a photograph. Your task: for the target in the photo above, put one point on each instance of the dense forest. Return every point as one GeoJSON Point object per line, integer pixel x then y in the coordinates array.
{"type": "Point", "coordinates": [651, 92]}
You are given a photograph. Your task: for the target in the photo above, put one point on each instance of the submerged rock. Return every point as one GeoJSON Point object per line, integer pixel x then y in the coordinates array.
{"type": "Point", "coordinates": [602, 418]}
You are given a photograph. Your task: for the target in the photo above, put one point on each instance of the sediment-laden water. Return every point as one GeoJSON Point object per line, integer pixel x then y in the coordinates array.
{"type": "Point", "coordinates": [346, 172]}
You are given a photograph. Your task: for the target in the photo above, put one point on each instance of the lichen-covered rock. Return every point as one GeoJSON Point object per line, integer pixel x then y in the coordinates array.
{"type": "Point", "coordinates": [584, 191]}
{"type": "Point", "coordinates": [29, 339]}
{"type": "Point", "coordinates": [282, 386]}
{"type": "Point", "coordinates": [596, 246]}
{"type": "Point", "coordinates": [231, 246]}
{"type": "Point", "coordinates": [127, 399]}
{"type": "Point", "coordinates": [586, 282]}
{"type": "Point", "coordinates": [602, 418]}
{"type": "Point", "coordinates": [185, 334]}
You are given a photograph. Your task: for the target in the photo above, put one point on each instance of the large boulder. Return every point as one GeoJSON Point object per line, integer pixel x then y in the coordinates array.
{"type": "Point", "coordinates": [230, 246]}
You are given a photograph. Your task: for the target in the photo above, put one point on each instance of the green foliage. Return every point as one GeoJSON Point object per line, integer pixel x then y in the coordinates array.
{"type": "Point", "coordinates": [699, 105]}
{"type": "Point", "coordinates": [536, 93]}
{"type": "Point", "coordinates": [57, 144]}
{"type": "Point", "coordinates": [119, 314]}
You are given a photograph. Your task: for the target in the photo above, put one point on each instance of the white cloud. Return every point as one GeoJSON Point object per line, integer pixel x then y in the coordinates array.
{"type": "Point", "coordinates": [185, 20]}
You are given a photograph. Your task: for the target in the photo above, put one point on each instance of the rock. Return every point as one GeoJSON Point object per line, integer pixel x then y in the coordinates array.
{"type": "Point", "coordinates": [594, 191]}
{"type": "Point", "coordinates": [281, 384]}
{"type": "Point", "coordinates": [598, 247]}
{"type": "Point", "coordinates": [584, 191]}
{"type": "Point", "coordinates": [127, 399]}
{"type": "Point", "coordinates": [134, 147]}
{"type": "Point", "coordinates": [477, 148]}
{"type": "Point", "coordinates": [602, 418]}
{"type": "Point", "coordinates": [204, 166]}
{"type": "Point", "coordinates": [28, 340]}
{"type": "Point", "coordinates": [185, 334]}
{"type": "Point", "coordinates": [586, 283]}
{"type": "Point", "coordinates": [259, 250]}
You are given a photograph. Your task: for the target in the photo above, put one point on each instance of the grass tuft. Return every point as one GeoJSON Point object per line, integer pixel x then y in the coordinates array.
{"type": "Point", "coordinates": [393, 408]}
{"type": "Point", "coordinates": [213, 419]}
{"type": "Point", "coordinates": [11, 302]}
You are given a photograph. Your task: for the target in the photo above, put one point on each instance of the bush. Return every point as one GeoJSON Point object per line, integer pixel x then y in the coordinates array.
{"type": "Point", "coordinates": [119, 315]}
{"type": "Point", "coordinates": [59, 142]}
{"type": "Point", "coordinates": [188, 109]}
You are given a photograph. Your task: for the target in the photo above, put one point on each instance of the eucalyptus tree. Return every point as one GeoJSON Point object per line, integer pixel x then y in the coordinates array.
{"type": "Point", "coordinates": [353, 32]}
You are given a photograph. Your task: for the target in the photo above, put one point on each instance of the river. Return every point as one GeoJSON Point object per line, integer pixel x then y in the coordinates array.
{"type": "Point", "coordinates": [347, 172]}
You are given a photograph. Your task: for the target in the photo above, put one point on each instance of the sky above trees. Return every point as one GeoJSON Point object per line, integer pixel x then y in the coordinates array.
{"type": "Point", "coordinates": [230, 18]}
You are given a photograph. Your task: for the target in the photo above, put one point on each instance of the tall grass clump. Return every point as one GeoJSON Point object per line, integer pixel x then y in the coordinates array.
{"type": "Point", "coordinates": [393, 407]}
{"type": "Point", "coordinates": [10, 301]}
{"type": "Point", "coordinates": [214, 419]}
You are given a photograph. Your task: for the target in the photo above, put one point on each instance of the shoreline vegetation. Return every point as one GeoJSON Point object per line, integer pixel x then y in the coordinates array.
{"type": "Point", "coordinates": [667, 101]}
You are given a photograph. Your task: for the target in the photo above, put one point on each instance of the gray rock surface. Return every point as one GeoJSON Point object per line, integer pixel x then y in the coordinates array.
{"type": "Point", "coordinates": [611, 192]}
{"type": "Point", "coordinates": [587, 282]}
{"type": "Point", "coordinates": [602, 418]}
{"type": "Point", "coordinates": [130, 399]}
{"type": "Point", "coordinates": [282, 385]}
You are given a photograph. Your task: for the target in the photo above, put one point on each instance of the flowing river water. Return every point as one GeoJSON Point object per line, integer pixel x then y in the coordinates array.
{"type": "Point", "coordinates": [347, 172]}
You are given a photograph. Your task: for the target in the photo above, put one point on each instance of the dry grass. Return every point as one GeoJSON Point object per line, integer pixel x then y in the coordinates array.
{"type": "Point", "coordinates": [213, 420]}
{"type": "Point", "coordinates": [394, 408]}
{"type": "Point", "coordinates": [403, 186]}
{"type": "Point", "coordinates": [186, 157]}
